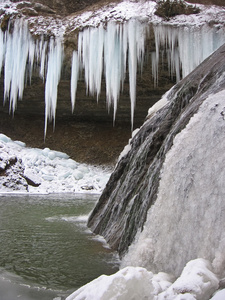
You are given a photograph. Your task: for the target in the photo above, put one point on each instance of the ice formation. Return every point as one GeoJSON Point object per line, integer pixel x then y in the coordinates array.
{"type": "Point", "coordinates": [49, 171]}
{"type": "Point", "coordinates": [107, 49]}
{"type": "Point", "coordinates": [19, 55]}
{"type": "Point", "coordinates": [185, 192]}
{"type": "Point", "coordinates": [197, 281]}
{"type": "Point", "coordinates": [55, 57]}
{"type": "Point", "coordinates": [185, 46]}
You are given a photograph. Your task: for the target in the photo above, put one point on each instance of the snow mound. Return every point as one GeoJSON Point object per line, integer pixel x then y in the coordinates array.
{"type": "Point", "coordinates": [45, 171]}
{"type": "Point", "coordinates": [129, 283]}
{"type": "Point", "coordinates": [197, 281]}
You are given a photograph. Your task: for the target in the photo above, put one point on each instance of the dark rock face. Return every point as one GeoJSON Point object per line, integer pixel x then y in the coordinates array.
{"type": "Point", "coordinates": [11, 172]}
{"type": "Point", "coordinates": [133, 186]}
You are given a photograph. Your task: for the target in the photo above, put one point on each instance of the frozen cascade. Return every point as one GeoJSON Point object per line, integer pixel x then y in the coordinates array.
{"type": "Point", "coordinates": [112, 45]}
{"type": "Point", "coordinates": [186, 47]}
{"type": "Point", "coordinates": [19, 53]}
{"type": "Point", "coordinates": [106, 50]}
{"type": "Point", "coordinates": [18, 48]}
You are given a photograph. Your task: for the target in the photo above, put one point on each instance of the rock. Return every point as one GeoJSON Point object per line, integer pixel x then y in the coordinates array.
{"type": "Point", "coordinates": [132, 188]}
{"type": "Point", "coordinates": [28, 11]}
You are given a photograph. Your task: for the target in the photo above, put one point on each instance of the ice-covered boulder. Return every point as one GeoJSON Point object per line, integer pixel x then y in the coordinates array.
{"type": "Point", "coordinates": [129, 283]}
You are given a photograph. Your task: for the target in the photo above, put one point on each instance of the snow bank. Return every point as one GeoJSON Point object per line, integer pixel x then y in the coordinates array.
{"type": "Point", "coordinates": [197, 281]}
{"type": "Point", "coordinates": [46, 171]}
{"type": "Point", "coordinates": [129, 283]}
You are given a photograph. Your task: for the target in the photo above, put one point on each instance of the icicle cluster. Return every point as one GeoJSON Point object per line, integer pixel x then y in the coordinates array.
{"type": "Point", "coordinates": [186, 47]}
{"type": "Point", "coordinates": [19, 54]}
{"type": "Point", "coordinates": [107, 50]}
{"type": "Point", "coordinates": [103, 51]}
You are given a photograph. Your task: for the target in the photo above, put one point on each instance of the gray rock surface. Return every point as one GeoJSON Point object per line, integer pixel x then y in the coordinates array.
{"type": "Point", "coordinates": [133, 186]}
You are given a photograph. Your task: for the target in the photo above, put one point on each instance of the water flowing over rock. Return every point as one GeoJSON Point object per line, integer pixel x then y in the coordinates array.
{"type": "Point", "coordinates": [167, 187]}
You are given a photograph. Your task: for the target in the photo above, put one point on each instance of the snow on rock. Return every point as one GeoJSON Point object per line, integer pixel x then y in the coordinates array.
{"type": "Point", "coordinates": [220, 295]}
{"type": "Point", "coordinates": [131, 283]}
{"type": "Point", "coordinates": [196, 282]}
{"type": "Point", "coordinates": [45, 171]}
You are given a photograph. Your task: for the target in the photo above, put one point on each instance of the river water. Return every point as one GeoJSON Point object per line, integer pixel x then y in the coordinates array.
{"type": "Point", "coordinates": [46, 250]}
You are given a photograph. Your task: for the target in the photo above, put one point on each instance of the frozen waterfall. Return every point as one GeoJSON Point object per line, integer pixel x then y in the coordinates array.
{"type": "Point", "coordinates": [110, 50]}
{"type": "Point", "coordinates": [19, 55]}
{"type": "Point", "coordinates": [185, 47]}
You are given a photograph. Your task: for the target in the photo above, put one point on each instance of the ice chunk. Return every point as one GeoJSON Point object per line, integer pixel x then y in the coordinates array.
{"type": "Point", "coordinates": [196, 280]}
{"type": "Point", "coordinates": [4, 138]}
{"type": "Point", "coordinates": [129, 283]}
{"type": "Point", "coordinates": [78, 175]}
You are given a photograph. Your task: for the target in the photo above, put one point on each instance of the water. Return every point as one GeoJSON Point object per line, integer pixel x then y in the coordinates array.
{"type": "Point", "coordinates": [46, 249]}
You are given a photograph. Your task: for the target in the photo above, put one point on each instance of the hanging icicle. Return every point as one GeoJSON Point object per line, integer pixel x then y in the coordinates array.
{"type": "Point", "coordinates": [55, 58]}
{"type": "Point", "coordinates": [103, 51]}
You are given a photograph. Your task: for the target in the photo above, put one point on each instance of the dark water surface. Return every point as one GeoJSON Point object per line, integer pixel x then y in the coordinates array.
{"type": "Point", "coordinates": [46, 250]}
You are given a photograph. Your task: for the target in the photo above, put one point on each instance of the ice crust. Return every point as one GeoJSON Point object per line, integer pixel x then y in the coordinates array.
{"type": "Point", "coordinates": [52, 171]}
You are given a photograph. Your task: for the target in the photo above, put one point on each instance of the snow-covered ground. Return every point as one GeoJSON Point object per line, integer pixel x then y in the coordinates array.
{"type": "Point", "coordinates": [33, 170]}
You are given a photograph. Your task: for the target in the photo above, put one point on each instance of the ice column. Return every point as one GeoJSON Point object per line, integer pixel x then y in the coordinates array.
{"type": "Point", "coordinates": [136, 42]}
{"type": "Point", "coordinates": [114, 64]}
{"type": "Point", "coordinates": [74, 78]}
{"type": "Point", "coordinates": [18, 48]}
{"type": "Point", "coordinates": [90, 51]}
{"type": "Point", "coordinates": [55, 57]}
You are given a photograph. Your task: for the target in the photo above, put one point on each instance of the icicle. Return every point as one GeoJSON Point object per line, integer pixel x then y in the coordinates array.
{"type": "Point", "coordinates": [90, 53]}
{"type": "Point", "coordinates": [41, 48]}
{"type": "Point", "coordinates": [186, 47]}
{"type": "Point", "coordinates": [136, 39]}
{"type": "Point", "coordinates": [114, 42]}
{"type": "Point", "coordinates": [113, 65]}
{"type": "Point", "coordinates": [55, 58]}
{"type": "Point", "coordinates": [18, 45]}
{"type": "Point", "coordinates": [74, 78]}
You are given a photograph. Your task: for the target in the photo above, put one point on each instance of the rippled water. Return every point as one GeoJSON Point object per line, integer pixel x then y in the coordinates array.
{"type": "Point", "coordinates": [46, 250]}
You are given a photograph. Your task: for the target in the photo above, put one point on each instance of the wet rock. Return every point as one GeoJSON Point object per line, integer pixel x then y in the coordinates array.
{"type": "Point", "coordinates": [133, 186]}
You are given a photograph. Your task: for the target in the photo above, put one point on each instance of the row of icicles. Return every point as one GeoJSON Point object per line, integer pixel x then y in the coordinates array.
{"type": "Point", "coordinates": [101, 50]}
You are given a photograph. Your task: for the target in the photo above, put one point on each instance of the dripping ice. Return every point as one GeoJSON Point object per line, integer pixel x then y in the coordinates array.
{"type": "Point", "coordinates": [105, 51]}
{"type": "Point", "coordinates": [18, 55]}
{"type": "Point", "coordinates": [102, 51]}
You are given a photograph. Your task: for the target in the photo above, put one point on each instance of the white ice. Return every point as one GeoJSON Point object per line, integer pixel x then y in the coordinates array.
{"type": "Point", "coordinates": [129, 283]}
{"type": "Point", "coordinates": [186, 46]}
{"type": "Point", "coordinates": [191, 194]}
{"type": "Point", "coordinates": [107, 49]}
{"type": "Point", "coordinates": [53, 170]}
{"type": "Point", "coordinates": [196, 282]}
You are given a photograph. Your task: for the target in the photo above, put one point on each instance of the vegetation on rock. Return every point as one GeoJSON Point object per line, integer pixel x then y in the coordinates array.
{"type": "Point", "coordinates": [170, 8]}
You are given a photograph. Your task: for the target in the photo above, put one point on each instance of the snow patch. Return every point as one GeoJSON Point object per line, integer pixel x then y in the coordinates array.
{"type": "Point", "coordinates": [47, 171]}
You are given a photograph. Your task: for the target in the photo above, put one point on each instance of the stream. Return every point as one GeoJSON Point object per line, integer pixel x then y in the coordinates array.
{"type": "Point", "coordinates": [46, 249]}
